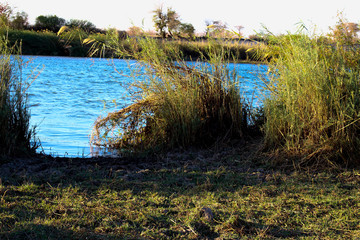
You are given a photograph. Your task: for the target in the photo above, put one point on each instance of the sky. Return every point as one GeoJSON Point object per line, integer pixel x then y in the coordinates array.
{"type": "Point", "coordinates": [279, 16]}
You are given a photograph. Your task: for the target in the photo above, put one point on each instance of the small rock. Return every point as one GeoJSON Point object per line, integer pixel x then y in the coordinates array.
{"type": "Point", "coordinates": [207, 214]}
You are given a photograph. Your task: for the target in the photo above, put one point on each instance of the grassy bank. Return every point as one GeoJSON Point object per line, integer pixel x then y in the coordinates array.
{"type": "Point", "coordinates": [70, 43]}
{"type": "Point", "coordinates": [198, 195]}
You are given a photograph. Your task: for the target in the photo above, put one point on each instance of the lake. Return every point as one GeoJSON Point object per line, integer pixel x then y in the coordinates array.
{"type": "Point", "coordinates": [71, 93]}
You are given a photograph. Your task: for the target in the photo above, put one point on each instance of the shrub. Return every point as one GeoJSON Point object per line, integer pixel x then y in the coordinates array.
{"type": "Point", "coordinates": [36, 43]}
{"type": "Point", "coordinates": [176, 104]}
{"type": "Point", "coordinates": [313, 106]}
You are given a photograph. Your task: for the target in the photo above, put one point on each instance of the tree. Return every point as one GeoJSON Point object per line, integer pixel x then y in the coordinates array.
{"type": "Point", "coordinates": [345, 32]}
{"type": "Point", "coordinates": [166, 23]}
{"type": "Point", "coordinates": [135, 31]}
{"type": "Point", "coordinates": [187, 29]}
{"type": "Point", "coordinates": [172, 22]}
{"type": "Point", "coordinates": [5, 13]}
{"type": "Point", "coordinates": [85, 25]}
{"type": "Point", "coordinates": [20, 21]}
{"type": "Point", "coordinates": [49, 22]}
{"type": "Point", "coordinates": [208, 23]}
{"type": "Point", "coordinates": [159, 19]}
{"type": "Point", "coordinates": [239, 28]}
{"type": "Point", "coordinates": [216, 29]}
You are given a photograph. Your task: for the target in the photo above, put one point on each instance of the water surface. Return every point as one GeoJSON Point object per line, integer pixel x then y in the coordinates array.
{"type": "Point", "coordinates": [70, 94]}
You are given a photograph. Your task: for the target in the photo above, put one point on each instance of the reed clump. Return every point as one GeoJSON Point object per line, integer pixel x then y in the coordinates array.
{"type": "Point", "coordinates": [16, 135]}
{"type": "Point", "coordinates": [176, 103]}
{"type": "Point", "coordinates": [313, 104]}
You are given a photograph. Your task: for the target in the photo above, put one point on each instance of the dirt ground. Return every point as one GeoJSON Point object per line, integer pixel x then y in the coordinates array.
{"type": "Point", "coordinates": [239, 157]}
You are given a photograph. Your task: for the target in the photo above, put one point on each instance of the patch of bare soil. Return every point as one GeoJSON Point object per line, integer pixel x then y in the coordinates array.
{"type": "Point", "coordinates": [239, 157]}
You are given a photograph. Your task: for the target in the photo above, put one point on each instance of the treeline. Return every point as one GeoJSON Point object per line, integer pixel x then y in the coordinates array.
{"type": "Point", "coordinates": [54, 36]}
{"type": "Point", "coordinates": [53, 23]}
{"type": "Point", "coordinates": [71, 42]}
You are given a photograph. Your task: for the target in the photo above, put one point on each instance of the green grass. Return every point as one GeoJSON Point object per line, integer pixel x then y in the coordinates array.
{"type": "Point", "coordinates": [164, 198]}
{"type": "Point", "coordinates": [312, 108]}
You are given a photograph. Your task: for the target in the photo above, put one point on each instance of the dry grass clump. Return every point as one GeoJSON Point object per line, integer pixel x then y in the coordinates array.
{"type": "Point", "coordinates": [176, 104]}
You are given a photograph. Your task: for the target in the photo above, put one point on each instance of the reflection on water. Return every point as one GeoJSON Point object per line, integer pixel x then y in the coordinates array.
{"type": "Point", "coordinates": [70, 94]}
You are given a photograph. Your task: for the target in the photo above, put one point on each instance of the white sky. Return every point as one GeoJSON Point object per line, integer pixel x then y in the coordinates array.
{"type": "Point", "coordinates": [278, 15]}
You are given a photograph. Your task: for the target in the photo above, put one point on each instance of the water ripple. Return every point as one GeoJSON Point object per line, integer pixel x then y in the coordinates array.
{"type": "Point", "coordinates": [70, 93]}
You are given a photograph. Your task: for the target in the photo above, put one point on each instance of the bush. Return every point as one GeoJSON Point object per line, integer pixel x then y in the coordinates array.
{"type": "Point", "coordinates": [36, 43]}
{"type": "Point", "coordinates": [16, 136]}
{"type": "Point", "coordinates": [176, 104]}
{"type": "Point", "coordinates": [233, 51]}
{"type": "Point", "coordinates": [313, 106]}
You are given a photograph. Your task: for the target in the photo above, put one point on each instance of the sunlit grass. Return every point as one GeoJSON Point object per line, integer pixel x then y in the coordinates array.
{"type": "Point", "coordinates": [312, 110]}
{"type": "Point", "coordinates": [167, 202]}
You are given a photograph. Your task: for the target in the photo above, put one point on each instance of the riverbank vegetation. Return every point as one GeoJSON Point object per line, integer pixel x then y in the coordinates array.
{"type": "Point", "coordinates": [16, 136]}
{"type": "Point", "coordinates": [54, 36]}
{"type": "Point", "coordinates": [176, 104]}
{"type": "Point", "coordinates": [219, 168]}
{"type": "Point", "coordinates": [312, 107]}
{"type": "Point", "coordinates": [69, 42]}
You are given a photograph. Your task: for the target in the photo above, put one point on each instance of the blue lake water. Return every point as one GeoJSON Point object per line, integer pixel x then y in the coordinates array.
{"type": "Point", "coordinates": [71, 93]}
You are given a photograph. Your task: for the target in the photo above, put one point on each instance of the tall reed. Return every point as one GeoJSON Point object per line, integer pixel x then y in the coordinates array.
{"type": "Point", "coordinates": [176, 104]}
{"type": "Point", "coordinates": [16, 136]}
{"type": "Point", "coordinates": [313, 106]}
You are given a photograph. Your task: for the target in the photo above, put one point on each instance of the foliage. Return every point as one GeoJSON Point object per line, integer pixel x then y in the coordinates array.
{"type": "Point", "coordinates": [5, 13]}
{"type": "Point", "coordinates": [36, 43]}
{"type": "Point", "coordinates": [20, 21]}
{"type": "Point", "coordinates": [313, 105]}
{"type": "Point", "coordinates": [84, 25]}
{"type": "Point", "coordinates": [345, 32]}
{"type": "Point", "coordinates": [159, 19]}
{"type": "Point", "coordinates": [105, 44]}
{"type": "Point", "coordinates": [217, 29]}
{"type": "Point", "coordinates": [166, 23]}
{"type": "Point", "coordinates": [175, 104]}
{"type": "Point", "coordinates": [16, 136]}
{"type": "Point", "coordinates": [135, 31]}
{"type": "Point", "coordinates": [49, 22]}
{"type": "Point", "coordinates": [173, 22]}
{"type": "Point", "coordinates": [187, 30]}
{"type": "Point", "coordinates": [233, 50]}
{"type": "Point", "coordinates": [72, 39]}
